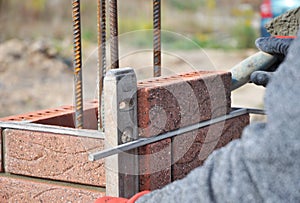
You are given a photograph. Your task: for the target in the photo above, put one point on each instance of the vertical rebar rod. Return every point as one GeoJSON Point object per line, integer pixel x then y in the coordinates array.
{"type": "Point", "coordinates": [77, 64]}
{"type": "Point", "coordinates": [114, 42]}
{"type": "Point", "coordinates": [101, 19]}
{"type": "Point", "coordinates": [156, 38]}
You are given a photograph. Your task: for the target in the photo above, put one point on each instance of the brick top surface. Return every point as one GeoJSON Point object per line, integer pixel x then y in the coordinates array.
{"type": "Point", "coordinates": [168, 103]}
{"type": "Point", "coordinates": [159, 81]}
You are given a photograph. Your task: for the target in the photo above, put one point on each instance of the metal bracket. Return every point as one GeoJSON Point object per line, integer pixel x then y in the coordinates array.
{"type": "Point", "coordinates": [120, 104]}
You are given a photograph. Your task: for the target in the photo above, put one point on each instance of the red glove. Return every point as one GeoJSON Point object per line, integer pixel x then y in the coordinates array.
{"type": "Point", "coordinates": [108, 199]}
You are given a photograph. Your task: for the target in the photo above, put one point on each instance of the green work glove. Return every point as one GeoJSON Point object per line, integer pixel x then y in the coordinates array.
{"type": "Point", "coordinates": [279, 46]}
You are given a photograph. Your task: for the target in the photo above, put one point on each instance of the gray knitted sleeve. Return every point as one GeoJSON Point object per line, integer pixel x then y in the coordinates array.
{"type": "Point", "coordinates": [264, 165]}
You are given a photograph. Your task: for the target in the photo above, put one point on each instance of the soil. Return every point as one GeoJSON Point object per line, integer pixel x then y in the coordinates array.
{"type": "Point", "coordinates": [34, 76]}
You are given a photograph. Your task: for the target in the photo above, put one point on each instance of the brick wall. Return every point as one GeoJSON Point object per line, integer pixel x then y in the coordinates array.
{"type": "Point", "coordinates": [164, 104]}
{"type": "Point", "coordinates": [17, 189]}
{"type": "Point", "coordinates": [53, 156]}
{"type": "Point", "coordinates": [191, 149]}
{"type": "Point", "coordinates": [1, 162]}
{"type": "Point", "coordinates": [62, 116]}
{"type": "Point", "coordinates": [51, 160]}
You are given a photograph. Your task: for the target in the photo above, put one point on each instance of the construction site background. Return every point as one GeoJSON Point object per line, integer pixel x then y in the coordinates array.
{"type": "Point", "coordinates": [36, 45]}
{"type": "Point", "coordinates": [210, 23]}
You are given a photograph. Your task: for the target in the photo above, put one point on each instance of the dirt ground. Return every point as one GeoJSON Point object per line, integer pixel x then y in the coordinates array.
{"type": "Point", "coordinates": [33, 76]}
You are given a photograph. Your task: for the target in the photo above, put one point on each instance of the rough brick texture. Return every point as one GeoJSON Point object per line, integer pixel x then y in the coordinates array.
{"type": "Point", "coordinates": [155, 165]}
{"type": "Point", "coordinates": [166, 104]}
{"type": "Point", "coordinates": [19, 190]}
{"type": "Point", "coordinates": [191, 149]}
{"type": "Point", "coordinates": [62, 116]}
{"type": "Point", "coordinates": [53, 156]}
{"type": "Point", "coordinates": [1, 161]}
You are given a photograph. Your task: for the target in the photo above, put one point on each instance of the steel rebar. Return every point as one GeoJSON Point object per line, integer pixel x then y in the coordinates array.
{"type": "Point", "coordinates": [77, 64]}
{"type": "Point", "coordinates": [156, 38]}
{"type": "Point", "coordinates": [114, 42]}
{"type": "Point", "coordinates": [101, 19]}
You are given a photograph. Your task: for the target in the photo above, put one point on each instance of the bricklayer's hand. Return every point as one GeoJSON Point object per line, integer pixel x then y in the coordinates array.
{"type": "Point", "coordinates": [279, 46]}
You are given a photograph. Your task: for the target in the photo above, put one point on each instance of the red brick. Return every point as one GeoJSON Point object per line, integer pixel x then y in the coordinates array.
{"type": "Point", "coordinates": [1, 161]}
{"type": "Point", "coordinates": [191, 149]}
{"type": "Point", "coordinates": [20, 190]}
{"type": "Point", "coordinates": [166, 104]}
{"type": "Point", "coordinates": [62, 116]}
{"type": "Point", "coordinates": [53, 156]}
{"type": "Point", "coordinates": [233, 129]}
{"type": "Point", "coordinates": [155, 165]}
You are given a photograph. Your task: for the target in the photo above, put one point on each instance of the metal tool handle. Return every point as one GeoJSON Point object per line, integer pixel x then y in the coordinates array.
{"type": "Point", "coordinates": [242, 71]}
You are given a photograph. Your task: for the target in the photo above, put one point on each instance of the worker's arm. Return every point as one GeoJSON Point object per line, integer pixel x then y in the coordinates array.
{"type": "Point", "coordinates": [264, 165]}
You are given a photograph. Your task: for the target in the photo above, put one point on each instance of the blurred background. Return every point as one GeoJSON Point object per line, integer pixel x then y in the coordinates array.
{"type": "Point", "coordinates": [36, 46]}
{"type": "Point", "coordinates": [210, 23]}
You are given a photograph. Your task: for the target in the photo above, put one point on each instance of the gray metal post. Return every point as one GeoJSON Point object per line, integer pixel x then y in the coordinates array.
{"type": "Point", "coordinates": [120, 104]}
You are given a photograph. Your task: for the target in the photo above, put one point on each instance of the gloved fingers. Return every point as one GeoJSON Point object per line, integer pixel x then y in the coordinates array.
{"type": "Point", "coordinates": [275, 65]}
{"type": "Point", "coordinates": [261, 78]}
{"type": "Point", "coordinates": [274, 45]}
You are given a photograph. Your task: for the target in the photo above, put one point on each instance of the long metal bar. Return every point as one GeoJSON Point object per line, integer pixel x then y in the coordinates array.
{"type": "Point", "coordinates": [156, 38]}
{"type": "Point", "coordinates": [101, 19]}
{"type": "Point", "coordinates": [77, 64]}
{"type": "Point", "coordinates": [144, 141]}
{"type": "Point", "coordinates": [114, 41]}
{"type": "Point", "coordinates": [52, 129]}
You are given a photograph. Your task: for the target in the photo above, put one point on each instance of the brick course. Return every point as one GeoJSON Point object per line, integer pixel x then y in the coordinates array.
{"type": "Point", "coordinates": [53, 156]}
{"type": "Point", "coordinates": [1, 161]}
{"type": "Point", "coordinates": [191, 149]}
{"type": "Point", "coordinates": [155, 165]}
{"type": "Point", "coordinates": [166, 104]}
{"type": "Point", "coordinates": [19, 190]}
{"type": "Point", "coordinates": [62, 116]}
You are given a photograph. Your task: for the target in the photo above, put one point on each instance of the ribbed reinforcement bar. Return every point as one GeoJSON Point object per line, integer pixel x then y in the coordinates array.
{"type": "Point", "coordinates": [114, 41]}
{"type": "Point", "coordinates": [156, 38]}
{"type": "Point", "coordinates": [101, 23]}
{"type": "Point", "coordinates": [77, 63]}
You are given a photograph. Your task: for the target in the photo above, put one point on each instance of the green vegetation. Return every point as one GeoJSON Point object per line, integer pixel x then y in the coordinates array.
{"type": "Point", "coordinates": [200, 20]}
{"type": "Point", "coordinates": [190, 5]}
{"type": "Point", "coordinates": [243, 31]}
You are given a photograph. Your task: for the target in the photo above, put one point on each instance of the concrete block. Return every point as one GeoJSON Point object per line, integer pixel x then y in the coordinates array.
{"type": "Point", "coordinates": [53, 156]}
{"type": "Point", "coordinates": [24, 190]}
